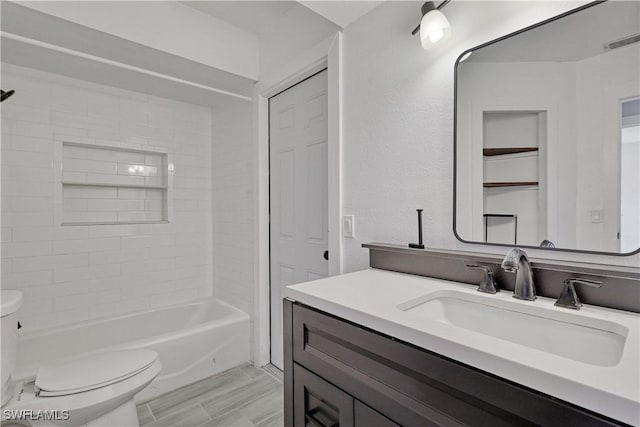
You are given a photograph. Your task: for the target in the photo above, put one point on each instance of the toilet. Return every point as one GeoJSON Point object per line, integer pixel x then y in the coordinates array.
{"type": "Point", "coordinates": [94, 390]}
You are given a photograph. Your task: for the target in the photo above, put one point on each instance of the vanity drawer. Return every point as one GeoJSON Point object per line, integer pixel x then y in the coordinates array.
{"type": "Point", "coordinates": [413, 386]}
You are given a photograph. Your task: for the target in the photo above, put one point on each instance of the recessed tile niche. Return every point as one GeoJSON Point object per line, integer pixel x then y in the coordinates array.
{"type": "Point", "coordinates": [103, 184]}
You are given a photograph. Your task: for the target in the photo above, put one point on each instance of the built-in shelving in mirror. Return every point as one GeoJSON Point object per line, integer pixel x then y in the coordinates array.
{"type": "Point", "coordinates": [547, 134]}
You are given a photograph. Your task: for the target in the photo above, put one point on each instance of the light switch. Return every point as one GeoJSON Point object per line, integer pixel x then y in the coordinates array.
{"type": "Point", "coordinates": [348, 226]}
{"type": "Point", "coordinates": [596, 215]}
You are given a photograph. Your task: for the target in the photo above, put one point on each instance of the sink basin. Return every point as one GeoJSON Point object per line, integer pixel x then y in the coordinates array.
{"type": "Point", "coordinates": [552, 330]}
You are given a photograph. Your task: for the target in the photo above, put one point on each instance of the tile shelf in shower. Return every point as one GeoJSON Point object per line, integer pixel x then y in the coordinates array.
{"type": "Point", "coordinates": [112, 183]}
{"type": "Point", "coordinates": [101, 184]}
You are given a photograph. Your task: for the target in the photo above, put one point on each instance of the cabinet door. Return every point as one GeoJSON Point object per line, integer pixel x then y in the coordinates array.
{"type": "Point", "coordinates": [318, 403]}
{"type": "Point", "coordinates": [364, 416]}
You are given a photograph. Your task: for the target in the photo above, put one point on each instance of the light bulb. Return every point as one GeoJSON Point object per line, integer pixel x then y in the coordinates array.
{"type": "Point", "coordinates": [436, 35]}
{"type": "Point", "coordinates": [434, 29]}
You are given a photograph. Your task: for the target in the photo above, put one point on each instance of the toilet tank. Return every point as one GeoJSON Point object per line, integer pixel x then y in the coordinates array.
{"type": "Point", "coordinates": [10, 302]}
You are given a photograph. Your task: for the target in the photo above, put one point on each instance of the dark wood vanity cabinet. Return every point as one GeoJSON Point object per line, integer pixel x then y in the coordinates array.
{"type": "Point", "coordinates": [341, 374]}
{"type": "Point", "coordinates": [321, 404]}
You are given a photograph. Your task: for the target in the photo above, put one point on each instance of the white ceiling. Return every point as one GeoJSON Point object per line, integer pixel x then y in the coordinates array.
{"type": "Point", "coordinates": [257, 16]}
{"type": "Point", "coordinates": [253, 16]}
{"type": "Point", "coordinates": [341, 13]}
{"type": "Point", "coordinates": [572, 38]}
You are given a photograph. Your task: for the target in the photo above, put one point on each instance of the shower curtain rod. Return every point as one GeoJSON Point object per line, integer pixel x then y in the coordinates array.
{"type": "Point", "coordinates": [60, 49]}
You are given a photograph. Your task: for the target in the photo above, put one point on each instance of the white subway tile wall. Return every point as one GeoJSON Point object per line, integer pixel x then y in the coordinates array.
{"type": "Point", "coordinates": [233, 175]}
{"type": "Point", "coordinates": [72, 274]}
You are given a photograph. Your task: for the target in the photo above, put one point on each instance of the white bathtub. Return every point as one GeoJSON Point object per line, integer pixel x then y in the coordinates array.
{"type": "Point", "coordinates": [194, 340]}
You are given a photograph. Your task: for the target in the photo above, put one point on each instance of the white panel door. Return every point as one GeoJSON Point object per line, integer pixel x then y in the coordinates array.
{"type": "Point", "coordinates": [298, 193]}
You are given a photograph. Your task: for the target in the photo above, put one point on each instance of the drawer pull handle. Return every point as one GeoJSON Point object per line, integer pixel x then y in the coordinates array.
{"type": "Point", "coordinates": [319, 418]}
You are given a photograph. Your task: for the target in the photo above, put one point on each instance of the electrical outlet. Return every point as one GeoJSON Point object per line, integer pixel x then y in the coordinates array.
{"type": "Point", "coordinates": [348, 226]}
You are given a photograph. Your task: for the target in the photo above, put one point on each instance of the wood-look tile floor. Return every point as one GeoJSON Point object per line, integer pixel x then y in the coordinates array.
{"type": "Point", "coordinates": [241, 397]}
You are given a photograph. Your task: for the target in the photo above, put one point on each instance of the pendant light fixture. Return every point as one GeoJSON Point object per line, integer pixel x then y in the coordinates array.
{"type": "Point", "coordinates": [434, 27]}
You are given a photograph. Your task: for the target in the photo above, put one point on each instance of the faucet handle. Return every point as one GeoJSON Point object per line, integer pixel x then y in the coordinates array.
{"type": "Point", "coordinates": [568, 297]}
{"type": "Point", "coordinates": [488, 283]}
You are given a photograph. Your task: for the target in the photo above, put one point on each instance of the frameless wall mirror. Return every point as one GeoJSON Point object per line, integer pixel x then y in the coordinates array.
{"type": "Point", "coordinates": [547, 134]}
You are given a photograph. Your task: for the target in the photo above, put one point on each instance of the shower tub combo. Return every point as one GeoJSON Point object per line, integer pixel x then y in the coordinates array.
{"type": "Point", "coordinates": [193, 340]}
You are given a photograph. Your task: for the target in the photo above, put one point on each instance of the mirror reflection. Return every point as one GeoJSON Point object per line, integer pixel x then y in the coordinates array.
{"type": "Point", "coordinates": [548, 134]}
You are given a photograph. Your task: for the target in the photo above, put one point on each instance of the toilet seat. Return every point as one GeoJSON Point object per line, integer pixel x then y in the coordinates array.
{"type": "Point", "coordinates": [91, 372]}
{"type": "Point", "coordinates": [90, 407]}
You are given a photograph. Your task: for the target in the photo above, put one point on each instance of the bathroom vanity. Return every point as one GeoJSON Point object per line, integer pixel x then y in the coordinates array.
{"type": "Point", "coordinates": [539, 156]}
{"type": "Point", "coordinates": [379, 348]}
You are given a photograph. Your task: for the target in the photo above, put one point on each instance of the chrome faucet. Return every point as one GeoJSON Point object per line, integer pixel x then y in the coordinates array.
{"type": "Point", "coordinates": [488, 284]}
{"type": "Point", "coordinates": [569, 298]}
{"type": "Point", "coordinates": [516, 261]}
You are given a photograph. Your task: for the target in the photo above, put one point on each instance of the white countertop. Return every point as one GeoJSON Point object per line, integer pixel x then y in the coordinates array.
{"type": "Point", "coordinates": [370, 298]}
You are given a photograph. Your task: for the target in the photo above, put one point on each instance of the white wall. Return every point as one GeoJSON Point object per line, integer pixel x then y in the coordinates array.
{"type": "Point", "coordinates": [71, 274]}
{"type": "Point", "coordinates": [398, 123]}
{"type": "Point", "coordinates": [630, 188]}
{"type": "Point", "coordinates": [168, 26]}
{"type": "Point", "coordinates": [602, 81]}
{"type": "Point", "coordinates": [291, 37]}
{"type": "Point", "coordinates": [233, 178]}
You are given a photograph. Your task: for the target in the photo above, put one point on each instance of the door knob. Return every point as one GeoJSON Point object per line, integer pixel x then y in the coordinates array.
{"type": "Point", "coordinates": [326, 255]}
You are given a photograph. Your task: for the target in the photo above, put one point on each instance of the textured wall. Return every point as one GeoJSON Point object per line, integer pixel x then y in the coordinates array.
{"type": "Point", "coordinates": [398, 122]}
{"type": "Point", "coordinates": [71, 274]}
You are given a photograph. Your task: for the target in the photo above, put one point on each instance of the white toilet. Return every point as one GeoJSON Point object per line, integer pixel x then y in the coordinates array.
{"type": "Point", "coordinates": [92, 391]}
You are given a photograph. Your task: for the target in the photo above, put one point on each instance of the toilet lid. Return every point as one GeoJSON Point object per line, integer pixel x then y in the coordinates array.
{"type": "Point", "coordinates": [92, 371]}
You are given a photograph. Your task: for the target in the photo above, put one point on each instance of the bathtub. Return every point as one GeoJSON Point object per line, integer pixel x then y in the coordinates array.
{"type": "Point", "coordinates": [193, 340]}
